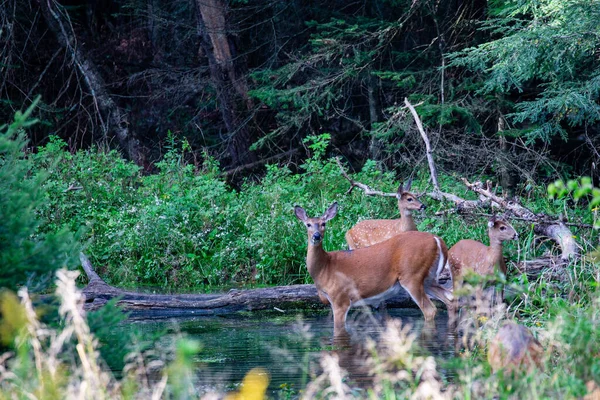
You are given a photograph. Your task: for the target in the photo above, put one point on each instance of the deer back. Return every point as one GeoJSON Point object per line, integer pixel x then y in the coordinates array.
{"type": "Point", "coordinates": [405, 257]}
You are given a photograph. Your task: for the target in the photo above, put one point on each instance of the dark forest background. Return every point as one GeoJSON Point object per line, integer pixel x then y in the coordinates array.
{"type": "Point", "coordinates": [508, 88]}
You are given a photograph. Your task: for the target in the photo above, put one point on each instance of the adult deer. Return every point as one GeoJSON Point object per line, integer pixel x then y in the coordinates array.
{"type": "Point", "coordinates": [371, 231]}
{"type": "Point", "coordinates": [369, 275]}
{"type": "Point", "coordinates": [472, 255]}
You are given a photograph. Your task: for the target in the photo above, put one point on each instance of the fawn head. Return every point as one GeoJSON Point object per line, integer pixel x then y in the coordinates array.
{"type": "Point", "coordinates": [501, 230]}
{"type": "Point", "coordinates": [316, 226]}
{"type": "Point", "coordinates": [407, 200]}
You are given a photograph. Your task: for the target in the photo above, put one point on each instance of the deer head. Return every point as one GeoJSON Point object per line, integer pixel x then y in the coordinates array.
{"type": "Point", "coordinates": [316, 226]}
{"type": "Point", "coordinates": [501, 230]}
{"type": "Point", "coordinates": [407, 200]}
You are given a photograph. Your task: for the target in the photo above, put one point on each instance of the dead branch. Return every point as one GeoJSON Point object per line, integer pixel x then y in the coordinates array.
{"type": "Point", "coordinates": [428, 150]}
{"type": "Point", "coordinates": [113, 119]}
{"type": "Point", "coordinates": [367, 189]}
{"type": "Point", "coordinates": [72, 187]}
{"type": "Point", "coordinates": [544, 224]}
{"type": "Point", "coordinates": [460, 203]}
{"type": "Point", "coordinates": [258, 163]}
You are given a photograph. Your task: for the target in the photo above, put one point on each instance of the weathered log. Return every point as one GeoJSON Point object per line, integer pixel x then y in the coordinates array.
{"type": "Point", "coordinates": [550, 267]}
{"type": "Point", "coordinates": [280, 298]}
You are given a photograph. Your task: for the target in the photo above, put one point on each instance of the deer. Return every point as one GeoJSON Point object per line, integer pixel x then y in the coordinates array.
{"type": "Point", "coordinates": [472, 255]}
{"type": "Point", "coordinates": [371, 231]}
{"type": "Point", "coordinates": [367, 276]}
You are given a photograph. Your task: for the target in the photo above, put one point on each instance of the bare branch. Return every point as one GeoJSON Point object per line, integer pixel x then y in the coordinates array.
{"type": "Point", "coordinates": [544, 224]}
{"type": "Point", "coordinates": [508, 205]}
{"type": "Point", "coordinates": [459, 202]}
{"type": "Point", "coordinates": [428, 150]}
{"type": "Point", "coordinates": [368, 190]}
{"type": "Point", "coordinates": [72, 187]}
{"type": "Point", "coordinates": [258, 163]}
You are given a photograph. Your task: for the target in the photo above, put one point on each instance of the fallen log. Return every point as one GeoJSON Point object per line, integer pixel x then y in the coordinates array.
{"type": "Point", "coordinates": [280, 298]}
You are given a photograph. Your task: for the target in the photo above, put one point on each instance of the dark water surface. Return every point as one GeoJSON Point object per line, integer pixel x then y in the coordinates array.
{"type": "Point", "coordinates": [287, 345]}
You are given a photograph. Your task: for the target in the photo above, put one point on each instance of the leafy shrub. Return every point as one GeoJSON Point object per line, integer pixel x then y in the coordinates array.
{"type": "Point", "coordinates": [184, 229]}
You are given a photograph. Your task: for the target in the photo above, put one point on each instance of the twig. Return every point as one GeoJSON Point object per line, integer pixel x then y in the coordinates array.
{"type": "Point", "coordinates": [259, 162]}
{"type": "Point", "coordinates": [508, 205]}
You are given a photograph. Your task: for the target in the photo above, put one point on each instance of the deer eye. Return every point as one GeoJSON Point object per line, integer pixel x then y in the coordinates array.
{"type": "Point", "coordinates": [308, 225]}
{"type": "Point", "coordinates": [410, 199]}
{"type": "Point", "coordinates": [503, 228]}
{"type": "Point", "coordinates": [323, 224]}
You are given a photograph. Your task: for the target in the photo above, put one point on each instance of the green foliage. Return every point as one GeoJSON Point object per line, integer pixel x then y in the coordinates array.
{"type": "Point", "coordinates": [579, 188]}
{"type": "Point", "coordinates": [318, 84]}
{"type": "Point", "coordinates": [27, 254]}
{"type": "Point", "coordinates": [551, 43]}
{"type": "Point", "coordinates": [185, 229]}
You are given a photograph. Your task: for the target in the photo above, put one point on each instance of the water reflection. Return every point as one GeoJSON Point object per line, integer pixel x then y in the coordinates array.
{"type": "Point", "coordinates": [289, 346]}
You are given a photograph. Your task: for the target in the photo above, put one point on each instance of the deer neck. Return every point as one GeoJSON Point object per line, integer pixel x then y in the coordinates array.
{"type": "Point", "coordinates": [495, 251]}
{"type": "Point", "coordinates": [406, 221]}
{"type": "Point", "coordinates": [317, 260]}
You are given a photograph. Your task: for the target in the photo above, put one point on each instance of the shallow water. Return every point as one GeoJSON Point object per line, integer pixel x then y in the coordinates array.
{"type": "Point", "coordinates": [287, 345]}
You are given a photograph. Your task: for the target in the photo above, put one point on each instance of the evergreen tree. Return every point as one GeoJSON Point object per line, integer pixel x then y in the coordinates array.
{"type": "Point", "coordinates": [547, 53]}
{"type": "Point", "coordinates": [26, 255]}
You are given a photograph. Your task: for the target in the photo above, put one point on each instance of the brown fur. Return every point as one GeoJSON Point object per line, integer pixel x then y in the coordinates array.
{"type": "Point", "coordinates": [345, 277]}
{"type": "Point", "coordinates": [475, 256]}
{"type": "Point", "coordinates": [371, 231]}
{"type": "Point", "coordinates": [514, 348]}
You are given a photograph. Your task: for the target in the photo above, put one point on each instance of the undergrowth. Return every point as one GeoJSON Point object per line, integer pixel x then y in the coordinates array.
{"type": "Point", "coordinates": [185, 228]}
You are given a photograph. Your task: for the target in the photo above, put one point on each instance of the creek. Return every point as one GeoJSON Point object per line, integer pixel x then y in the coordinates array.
{"type": "Point", "coordinates": [288, 345]}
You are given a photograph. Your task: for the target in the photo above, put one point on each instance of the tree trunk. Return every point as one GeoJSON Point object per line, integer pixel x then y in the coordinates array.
{"type": "Point", "coordinates": [227, 77]}
{"type": "Point", "coordinates": [506, 177]}
{"type": "Point", "coordinates": [113, 118]}
{"type": "Point", "coordinates": [153, 9]}
{"type": "Point", "coordinates": [375, 145]}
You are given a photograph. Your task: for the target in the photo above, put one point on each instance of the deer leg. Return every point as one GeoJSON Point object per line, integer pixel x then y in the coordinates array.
{"type": "Point", "coordinates": [454, 309]}
{"type": "Point", "coordinates": [323, 297]}
{"type": "Point", "coordinates": [438, 292]}
{"type": "Point", "coordinates": [417, 292]}
{"type": "Point", "coordinates": [340, 310]}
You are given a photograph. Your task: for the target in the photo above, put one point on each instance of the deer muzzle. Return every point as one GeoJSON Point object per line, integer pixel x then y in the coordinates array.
{"type": "Point", "coordinates": [316, 238]}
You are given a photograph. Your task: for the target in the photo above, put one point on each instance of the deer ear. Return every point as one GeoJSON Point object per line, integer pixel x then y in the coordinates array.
{"type": "Point", "coordinates": [331, 211]}
{"type": "Point", "coordinates": [300, 213]}
{"type": "Point", "coordinates": [400, 191]}
{"type": "Point", "coordinates": [408, 185]}
{"type": "Point", "coordinates": [491, 221]}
